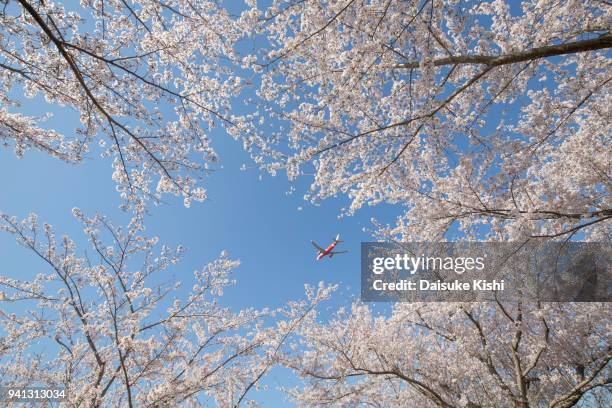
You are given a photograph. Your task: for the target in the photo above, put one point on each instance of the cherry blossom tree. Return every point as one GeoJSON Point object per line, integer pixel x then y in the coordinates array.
{"type": "Point", "coordinates": [493, 116]}
{"type": "Point", "coordinates": [457, 355]}
{"type": "Point", "coordinates": [148, 80]}
{"type": "Point", "coordinates": [113, 330]}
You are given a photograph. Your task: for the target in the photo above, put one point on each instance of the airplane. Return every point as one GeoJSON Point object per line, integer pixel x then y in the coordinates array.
{"type": "Point", "coordinates": [322, 253]}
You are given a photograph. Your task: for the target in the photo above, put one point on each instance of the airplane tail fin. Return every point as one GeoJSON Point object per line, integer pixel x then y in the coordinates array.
{"type": "Point", "coordinates": [338, 238]}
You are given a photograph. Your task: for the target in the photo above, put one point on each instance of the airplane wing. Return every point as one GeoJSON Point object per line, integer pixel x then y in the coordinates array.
{"type": "Point", "coordinates": [314, 244]}
{"type": "Point", "coordinates": [338, 252]}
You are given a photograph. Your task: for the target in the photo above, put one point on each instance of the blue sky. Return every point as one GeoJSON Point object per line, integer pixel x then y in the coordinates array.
{"type": "Point", "coordinates": [248, 213]}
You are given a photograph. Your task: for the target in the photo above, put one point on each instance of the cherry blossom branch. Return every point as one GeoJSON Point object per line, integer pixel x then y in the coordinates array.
{"type": "Point", "coordinates": [602, 42]}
